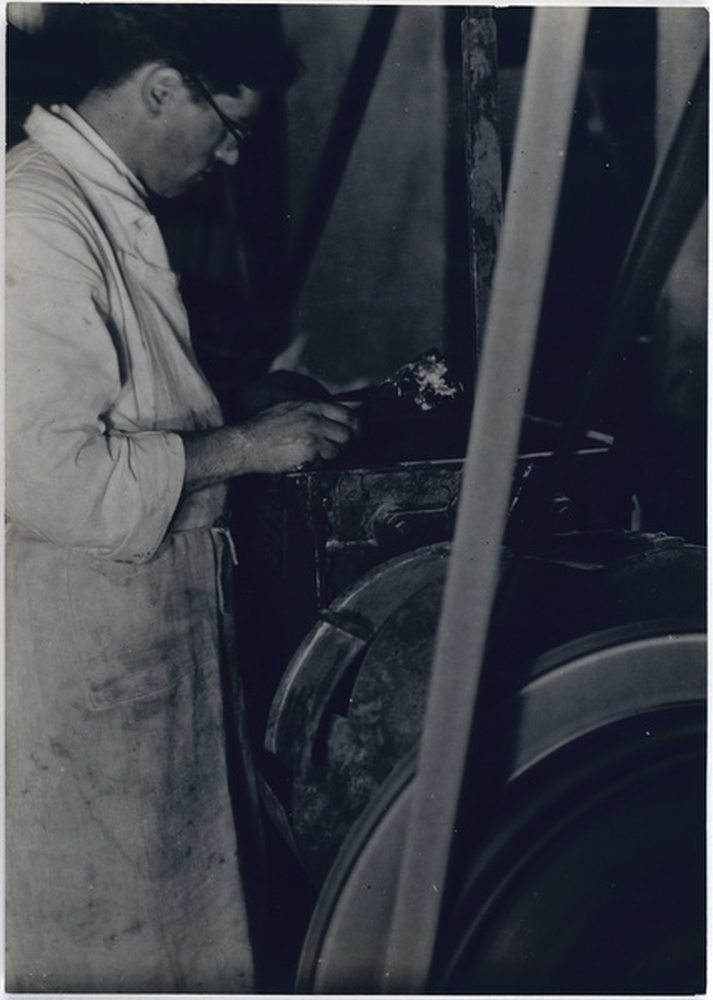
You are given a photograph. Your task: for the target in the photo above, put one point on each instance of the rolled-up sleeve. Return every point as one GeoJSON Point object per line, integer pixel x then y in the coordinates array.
{"type": "Point", "coordinates": [72, 475]}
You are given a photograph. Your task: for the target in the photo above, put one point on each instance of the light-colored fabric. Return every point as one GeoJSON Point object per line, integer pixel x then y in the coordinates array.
{"type": "Point", "coordinates": [121, 857]}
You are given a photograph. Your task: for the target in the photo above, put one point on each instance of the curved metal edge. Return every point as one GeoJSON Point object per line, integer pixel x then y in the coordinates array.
{"type": "Point", "coordinates": [329, 649]}
{"type": "Point", "coordinates": [344, 945]}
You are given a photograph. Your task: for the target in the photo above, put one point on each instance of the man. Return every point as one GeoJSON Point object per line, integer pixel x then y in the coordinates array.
{"type": "Point", "coordinates": [123, 868]}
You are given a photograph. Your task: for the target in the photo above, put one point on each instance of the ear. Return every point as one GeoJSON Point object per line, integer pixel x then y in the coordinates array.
{"type": "Point", "coordinates": [160, 87]}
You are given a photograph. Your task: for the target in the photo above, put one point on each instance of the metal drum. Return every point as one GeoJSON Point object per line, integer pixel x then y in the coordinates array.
{"type": "Point", "coordinates": [350, 706]}
{"type": "Point", "coordinates": [351, 702]}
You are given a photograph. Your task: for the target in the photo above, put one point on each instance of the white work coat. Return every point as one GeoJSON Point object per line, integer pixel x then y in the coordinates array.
{"type": "Point", "coordinates": [123, 869]}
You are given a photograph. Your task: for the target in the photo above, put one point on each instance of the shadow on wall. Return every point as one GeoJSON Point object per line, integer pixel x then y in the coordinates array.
{"type": "Point", "coordinates": [374, 297]}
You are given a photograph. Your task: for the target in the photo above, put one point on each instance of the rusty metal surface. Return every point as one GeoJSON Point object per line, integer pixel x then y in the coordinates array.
{"type": "Point", "coordinates": [483, 154]}
{"type": "Point", "coordinates": [307, 536]}
{"type": "Point", "coordinates": [395, 510]}
{"type": "Point", "coordinates": [339, 637]}
{"type": "Point", "coordinates": [363, 734]}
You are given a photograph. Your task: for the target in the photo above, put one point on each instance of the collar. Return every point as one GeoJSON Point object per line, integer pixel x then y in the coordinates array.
{"type": "Point", "coordinates": [81, 150]}
{"type": "Point", "coordinates": [65, 134]}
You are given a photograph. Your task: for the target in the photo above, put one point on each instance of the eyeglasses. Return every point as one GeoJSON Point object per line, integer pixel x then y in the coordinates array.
{"type": "Point", "coordinates": [238, 133]}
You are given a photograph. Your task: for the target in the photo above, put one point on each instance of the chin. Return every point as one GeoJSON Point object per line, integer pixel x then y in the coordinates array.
{"type": "Point", "coordinates": [171, 192]}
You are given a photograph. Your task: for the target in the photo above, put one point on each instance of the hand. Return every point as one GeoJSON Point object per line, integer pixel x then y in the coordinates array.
{"type": "Point", "coordinates": [294, 434]}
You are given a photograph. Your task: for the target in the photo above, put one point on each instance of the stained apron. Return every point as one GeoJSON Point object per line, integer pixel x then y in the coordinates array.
{"type": "Point", "coordinates": [122, 867]}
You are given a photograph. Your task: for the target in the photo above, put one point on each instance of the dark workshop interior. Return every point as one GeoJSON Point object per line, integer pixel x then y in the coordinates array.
{"type": "Point", "coordinates": [354, 251]}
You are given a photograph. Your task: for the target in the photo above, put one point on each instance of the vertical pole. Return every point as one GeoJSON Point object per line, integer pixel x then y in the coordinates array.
{"type": "Point", "coordinates": [482, 156]}
{"type": "Point", "coordinates": [546, 108]}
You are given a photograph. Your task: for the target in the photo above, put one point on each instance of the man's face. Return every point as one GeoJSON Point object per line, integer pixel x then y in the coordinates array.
{"type": "Point", "coordinates": [193, 139]}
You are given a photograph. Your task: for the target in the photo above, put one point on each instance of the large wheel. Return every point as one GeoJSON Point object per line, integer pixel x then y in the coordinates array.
{"type": "Point", "coordinates": [351, 704]}
{"type": "Point", "coordinates": [585, 872]}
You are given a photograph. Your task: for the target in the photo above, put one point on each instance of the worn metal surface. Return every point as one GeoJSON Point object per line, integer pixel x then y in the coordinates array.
{"type": "Point", "coordinates": [341, 635]}
{"type": "Point", "coordinates": [483, 154]}
{"type": "Point", "coordinates": [351, 705]}
{"type": "Point", "coordinates": [305, 538]}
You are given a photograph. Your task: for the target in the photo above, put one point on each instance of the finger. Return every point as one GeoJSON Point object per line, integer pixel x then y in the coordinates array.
{"type": "Point", "coordinates": [328, 450]}
{"type": "Point", "coordinates": [339, 413]}
{"type": "Point", "coordinates": [337, 433]}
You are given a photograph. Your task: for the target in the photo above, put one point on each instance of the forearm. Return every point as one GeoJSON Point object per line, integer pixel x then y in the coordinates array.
{"type": "Point", "coordinates": [213, 456]}
{"type": "Point", "coordinates": [276, 440]}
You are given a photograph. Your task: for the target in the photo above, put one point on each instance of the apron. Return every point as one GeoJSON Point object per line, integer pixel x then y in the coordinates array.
{"type": "Point", "coordinates": [123, 872]}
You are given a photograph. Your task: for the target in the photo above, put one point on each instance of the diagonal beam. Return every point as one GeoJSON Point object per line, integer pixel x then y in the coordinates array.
{"type": "Point", "coordinates": [551, 79]}
{"type": "Point", "coordinates": [678, 190]}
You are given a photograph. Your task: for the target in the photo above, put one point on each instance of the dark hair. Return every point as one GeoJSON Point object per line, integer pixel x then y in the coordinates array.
{"type": "Point", "coordinates": [96, 45]}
